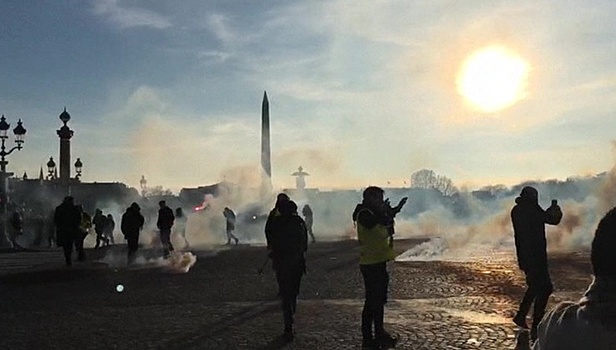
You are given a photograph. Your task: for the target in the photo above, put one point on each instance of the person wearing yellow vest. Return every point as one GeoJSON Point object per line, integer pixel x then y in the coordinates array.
{"type": "Point", "coordinates": [374, 219]}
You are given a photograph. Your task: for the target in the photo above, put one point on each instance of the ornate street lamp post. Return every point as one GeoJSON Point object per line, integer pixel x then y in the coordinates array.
{"type": "Point", "coordinates": [51, 169]}
{"type": "Point", "coordinates": [19, 132]}
{"type": "Point", "coordinates": [78, 168]}
{"type": "Point", "coordinates": [143, 183]}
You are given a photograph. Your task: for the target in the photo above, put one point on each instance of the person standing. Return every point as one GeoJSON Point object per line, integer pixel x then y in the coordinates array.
{"type": "Point", "coordinates": [109, 228]}
{"type": "Point", "coordinates": [17, 228]}
{"type": "Point", "coordinates": [374, 219]}
{"type": "Point", "coordinates": [529, 219]}
{"type": "Point", "coordinates": [230, 227]}
{"type": "Point", "coordinates": [164, 224]}
{"type": "Point", "coordinates": [131, 224]}
{"type": "Point", "coordinates": [67, 220]}
{"type": "Point", "coordinates": [280, 198]}
{"type": "Point", "coordinates": [288, 243]}
{"type": "Point", "coordinates": [180, 225]}
{"type": "Point", "coordinates": [99, 222]}
{"type": "Point", "coordinates": [84, 227]}
{"type": "Point", "coordinates": [307, 212]}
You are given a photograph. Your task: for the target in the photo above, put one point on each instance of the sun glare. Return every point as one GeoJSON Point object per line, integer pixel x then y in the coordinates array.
{"type": "Point", "coordinates": [493, 79]}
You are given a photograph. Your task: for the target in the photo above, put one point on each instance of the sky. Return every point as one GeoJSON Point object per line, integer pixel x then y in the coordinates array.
{"type": "Point", "coordinates": [361, 93]}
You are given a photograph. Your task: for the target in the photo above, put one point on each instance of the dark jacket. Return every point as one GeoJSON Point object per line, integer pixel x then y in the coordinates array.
{"type": "Point", "coordinates": [67, 219]}
{"type": "Point", "coordinates": [165, 218]}
{"type": "Point", "coordinates": [529, 221]}
{"type": "Point", "coordinates": [132, 222]}
{"type": "Point", "coordinates": [288, 240]}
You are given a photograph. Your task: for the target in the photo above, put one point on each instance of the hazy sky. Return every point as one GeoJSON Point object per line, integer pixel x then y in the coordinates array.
{"type": "Point", "coordinates": [361, 92]}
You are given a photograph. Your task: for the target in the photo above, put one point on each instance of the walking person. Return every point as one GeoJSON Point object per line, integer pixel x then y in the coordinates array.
{"type": "Point", "coordinates": [374, 219]}
{"type": "Point", "coordinates": [131, 224]}
{"type": "Point", "coordinates": [230, 226]}
{"type": "Point", "coordinates": [67, 220]}
{"type": "Point", "coordinates": [180, 225]}
{"type": "Point", "coordinates": [109, 229]}
{"type": "Point", "coordinates": [288, 243]}
{"type": "Point", "coordinates": [307, 212]}
{"type": "Point", "coordinates": [84, 228]}
{"type": "Point", "coordinates": [164, 224]}
{"type": "Point", "coordinates": [17, 228]}
{"type": "Point", "coordinates": [99, 222]}
{"type": "Point", "coordinates": [280, 198]}
{"type": "Point", "coordinates": [529, 219]}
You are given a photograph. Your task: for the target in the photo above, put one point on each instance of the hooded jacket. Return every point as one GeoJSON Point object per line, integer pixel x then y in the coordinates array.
{"type": "Point", "coordinates": [529, 221]}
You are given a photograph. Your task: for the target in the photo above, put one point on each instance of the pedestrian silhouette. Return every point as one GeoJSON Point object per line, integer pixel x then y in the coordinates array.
{"type": "Point", "coordinates": [529, 219]}
{"type": "Point", "coordinates": [230, 225]}
{"type": "Point", "coordinates": [180, 225]}
{"type": "Point", "coordinates": [67, 219]}
{"type": "Point", "coordinates": [288, 244]}
{"type": "Point", "coordinates": [308, 218]}
{"type": "Point", "coordinates": [131, 224]}
{"type": "Point", "coordinates": [164, 224]}
{"type": "Point", "coordinates": [99, 220]}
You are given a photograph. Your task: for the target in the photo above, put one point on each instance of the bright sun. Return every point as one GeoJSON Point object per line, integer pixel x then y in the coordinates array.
{"type": "Point", "coordinates": [493, 78]}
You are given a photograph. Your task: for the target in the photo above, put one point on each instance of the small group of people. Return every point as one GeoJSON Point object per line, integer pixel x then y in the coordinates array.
{"type": "Point", "coordinates": [287, 242]}
{"type": "Point", "coordinates": [104, 226]}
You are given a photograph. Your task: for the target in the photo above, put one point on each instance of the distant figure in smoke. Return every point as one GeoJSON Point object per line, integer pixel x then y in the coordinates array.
{"type": "Point", "coordinates": [131, 224]}
{"type": "Point", "coordinates": [99, 222]}
{"type": "Point", "coordinates": [17, 228]}
{"type": "Point", "coordinates": [529, 221]}
{"type": "Point", "coordinates": [288, 243]}
{"type": "Point", "coordinates": [109, 228]}
{"type": "Point", "coordinates": [280, 198]}
{"type": "Point", "coordinates": [164, 224]}
{"type": "Point", "coordinates": [591, 322]}
{"type": "Point", "coordinates": [84, 227]}
{"type": "Point", "coordinates": [307, 212]}
{"type": "Point", "coordinates": [230, 227]}
{"type": "Point", "coordinates": [180, 225]}
{"type": "Point", "coordinates": [67, 219]}
{"type": "Point", "coordinates": [374, 219]}
{"type": "Point", "coordinates": [50, 227]}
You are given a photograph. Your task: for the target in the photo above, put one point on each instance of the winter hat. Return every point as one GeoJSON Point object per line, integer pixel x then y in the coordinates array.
{"type": "Point", "coordinates": [602, 256]}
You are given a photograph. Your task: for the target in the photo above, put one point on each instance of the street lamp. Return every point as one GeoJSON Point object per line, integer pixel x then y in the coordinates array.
{"type": "Point", "coordinates": [78, 167]}
{"type": "Point", "coordinates": [51, 169]}
{"type": "Point", "coordinates": [19, 132]}
{"type": "Point", "coordinates": [143, 183]}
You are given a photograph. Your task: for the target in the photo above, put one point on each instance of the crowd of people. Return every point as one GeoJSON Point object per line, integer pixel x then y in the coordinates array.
{"type": "Point", "coordinates": [587, 324]}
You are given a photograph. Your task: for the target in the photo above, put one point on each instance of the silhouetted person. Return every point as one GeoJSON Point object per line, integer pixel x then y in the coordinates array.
{"type": "Point", "coordinates": [67, 219]}
{"type": "Point", "coordinates": [374, 219]}
{"type": "Point", "coordinates": [591, 322]}
{"type": "Point", "coordinates": [230, 226]}
{"type": "Point", "coordinates": [84, 227]}
{"type": "Point", "coordinates": [17, 229]}
{"type": "Point", "coordinates": [99, 220]}
{"type": "Point", "coordinates": [180, 225]}
{"type": "Point", "coordinates": [281, 197]}
{"type": "Point", "coordinates": [164, 224]}
{"type": "Point", "coordinates": [288, 242]}
{"type": "Point", "coordinates": [307, 212]}
{"type": "Point", "coordinates": [109, 228]}
{"type": "Point", "coordinates": [529, 221]}
{"type": "Point", "coordinates": [131, 224]}
{"type": "Point", "coordinates": [50, 227]}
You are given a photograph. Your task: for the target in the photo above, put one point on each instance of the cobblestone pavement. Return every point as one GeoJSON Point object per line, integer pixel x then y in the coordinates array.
{"type": "Point", "coordinates": [223, 303]}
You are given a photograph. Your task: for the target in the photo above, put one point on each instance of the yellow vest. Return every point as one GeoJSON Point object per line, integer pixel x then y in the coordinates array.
{"type": "Point", "coordinates": [374, 244]}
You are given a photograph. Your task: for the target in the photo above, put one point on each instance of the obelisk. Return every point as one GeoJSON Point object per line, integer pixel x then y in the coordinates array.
{"type": "Point", "coordinates": [266, 163]}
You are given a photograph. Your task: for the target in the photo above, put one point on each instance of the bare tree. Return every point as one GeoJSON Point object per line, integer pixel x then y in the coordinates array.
{"type": "Point", "coordinates": [426, 178]}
